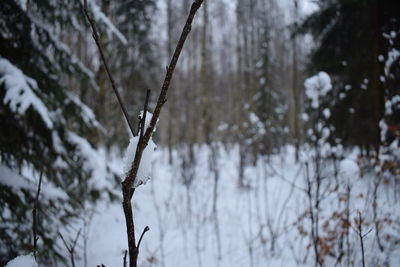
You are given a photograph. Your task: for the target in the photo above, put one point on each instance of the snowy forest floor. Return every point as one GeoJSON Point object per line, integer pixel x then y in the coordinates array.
{"type": "Point", "coordinates": [194, 222]}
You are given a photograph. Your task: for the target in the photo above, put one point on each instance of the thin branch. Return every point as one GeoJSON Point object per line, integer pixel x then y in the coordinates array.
{"type": "Point", "coordinates": [65, 242]}
{"type": "Point", "coordinates": [127, 184]}
{"type": "Point", "coordinates": [71, 248]}
{"type": "Point", "coordinates": [141, 237]}
{"type": "Point", "coordinates": [364, 235]}
{"type": "Point", "coordinates": [162, 97]}
{"type": "Point", "coordinates": [103, 58]}
{"type": "Point", "coordinates": [361, 237]}
{"type": "Point", "coordinates": [76, 239]}
{"type": "Point", "coordinates": [125, 253]}
{"type": "Point", "coordinates": [129, 180]}
{"type": "Point", "coordinates": [34, 215]}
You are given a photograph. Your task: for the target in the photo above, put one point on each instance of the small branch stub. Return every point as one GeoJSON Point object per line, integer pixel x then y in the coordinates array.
{"type": "Point", "coordinates": [141, 237]}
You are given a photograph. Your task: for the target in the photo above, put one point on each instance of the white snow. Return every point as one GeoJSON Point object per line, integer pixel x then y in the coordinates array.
{"type": "Point", "coordinates": [23, 261]}
{"type": "Point", "coordinates": [95, 162]}
{"type": "Point", "coordinates": [20, 92]}
{"type": "Point", "coordinates": [145, 167]}
{"type": "Point", "coordinates": [393, 55]}
{"type": "Point", "coordinates": [255, 120]}
{"type": "Point", "coordinates": [23, 4]}
{"type": "Point", "coordinates": [349, 168]}
{"type": "Point", "coordinates": [384, 128]}
{"type": "Point", "coordinates": [304, 116]}
{"type": "Point", "coordinates": [222, 127]}
{"type": "Point", "coordinates": [149, 116]}
{"type": "Point", "coordinates": [12, 179]}
{"type": "Point", "coordinates": [317, 87]}
{"type": "Point", "coordinates": [87, 113]}
{"type": "Point", "coordinates": [327, 113]}
{"type": "Point", "coordinates": [182, 224]}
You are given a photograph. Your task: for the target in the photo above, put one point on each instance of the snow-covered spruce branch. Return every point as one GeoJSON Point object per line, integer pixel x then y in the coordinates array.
{"type": "Point", "coordinates": [128, 183]}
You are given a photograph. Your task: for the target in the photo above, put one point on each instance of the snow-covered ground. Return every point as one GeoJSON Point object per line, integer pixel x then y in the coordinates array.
{"type": "Point", "coordinates": [265, 223]}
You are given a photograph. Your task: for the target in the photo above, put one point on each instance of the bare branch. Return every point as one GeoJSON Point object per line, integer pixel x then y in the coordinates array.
{"type": "Point", "coordinates": [129, 180]}
{"type": "Point", "coordinates": [361, 236]}
{"type": "Point", "coordinates": [71, 248]}
{"type": "Point", "coordinates": [76, 239]}
{"type": "Point", "coordinates": [162, 97]}
{"type": "Point", "coordinates": [127, 184]}
{"type": "Point", "coordinates": [103, 58]}
{"type": "Point", "coordinates": [125, 253]}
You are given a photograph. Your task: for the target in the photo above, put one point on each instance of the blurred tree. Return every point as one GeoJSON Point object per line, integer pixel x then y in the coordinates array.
{"type": "Point", "coordinates": [44, 124]}
{"type": "Point", "coordinates": [349, 43]}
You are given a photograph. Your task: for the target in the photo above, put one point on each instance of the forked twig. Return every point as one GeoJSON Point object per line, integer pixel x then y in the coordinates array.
{"type": "Point", "coordinates": [71, 248]}
{"type": "Point", "coordinates": [361, 236]}
{"type": "Point", "coordinates": [128, 182]}
{"type": "Point", "coordinates": [130, 178]}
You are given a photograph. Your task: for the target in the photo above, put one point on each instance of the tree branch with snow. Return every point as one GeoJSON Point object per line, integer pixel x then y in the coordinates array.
{"type": "Point", "coordinates": [142, 146]}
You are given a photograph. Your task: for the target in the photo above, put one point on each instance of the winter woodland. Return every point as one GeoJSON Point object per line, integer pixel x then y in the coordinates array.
{"type": "Point", "coordinates": [199, 133]}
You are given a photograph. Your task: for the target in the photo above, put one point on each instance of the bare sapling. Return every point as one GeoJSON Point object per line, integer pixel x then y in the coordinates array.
{"type": "Point", "coordinates": [145, 134]}
{"type": "Point", "coordinates": [361, 236]}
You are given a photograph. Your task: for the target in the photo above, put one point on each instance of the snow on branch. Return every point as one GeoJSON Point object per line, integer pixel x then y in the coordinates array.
{"type": "Point", "coordinates": [99, 16]}
{"type": "Point", "coordinates": [40, 29]}
{"type": "Point", "coordinates": [392, 57]}
{"type": "Point", "coordinates": [23, 261]}
{"type": "Point", "coordinates": [317, 86]}
{"type": "Point", "coordinates": [11, 178]}
{"type": "Point", "coordinates": [20, 92]}
{"type": "Point", "coordinates": [94, 162]}
{"type": "Point", "coordinates": [144, 172]}
{"type": "Point", "coordinates": [86, 113]}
